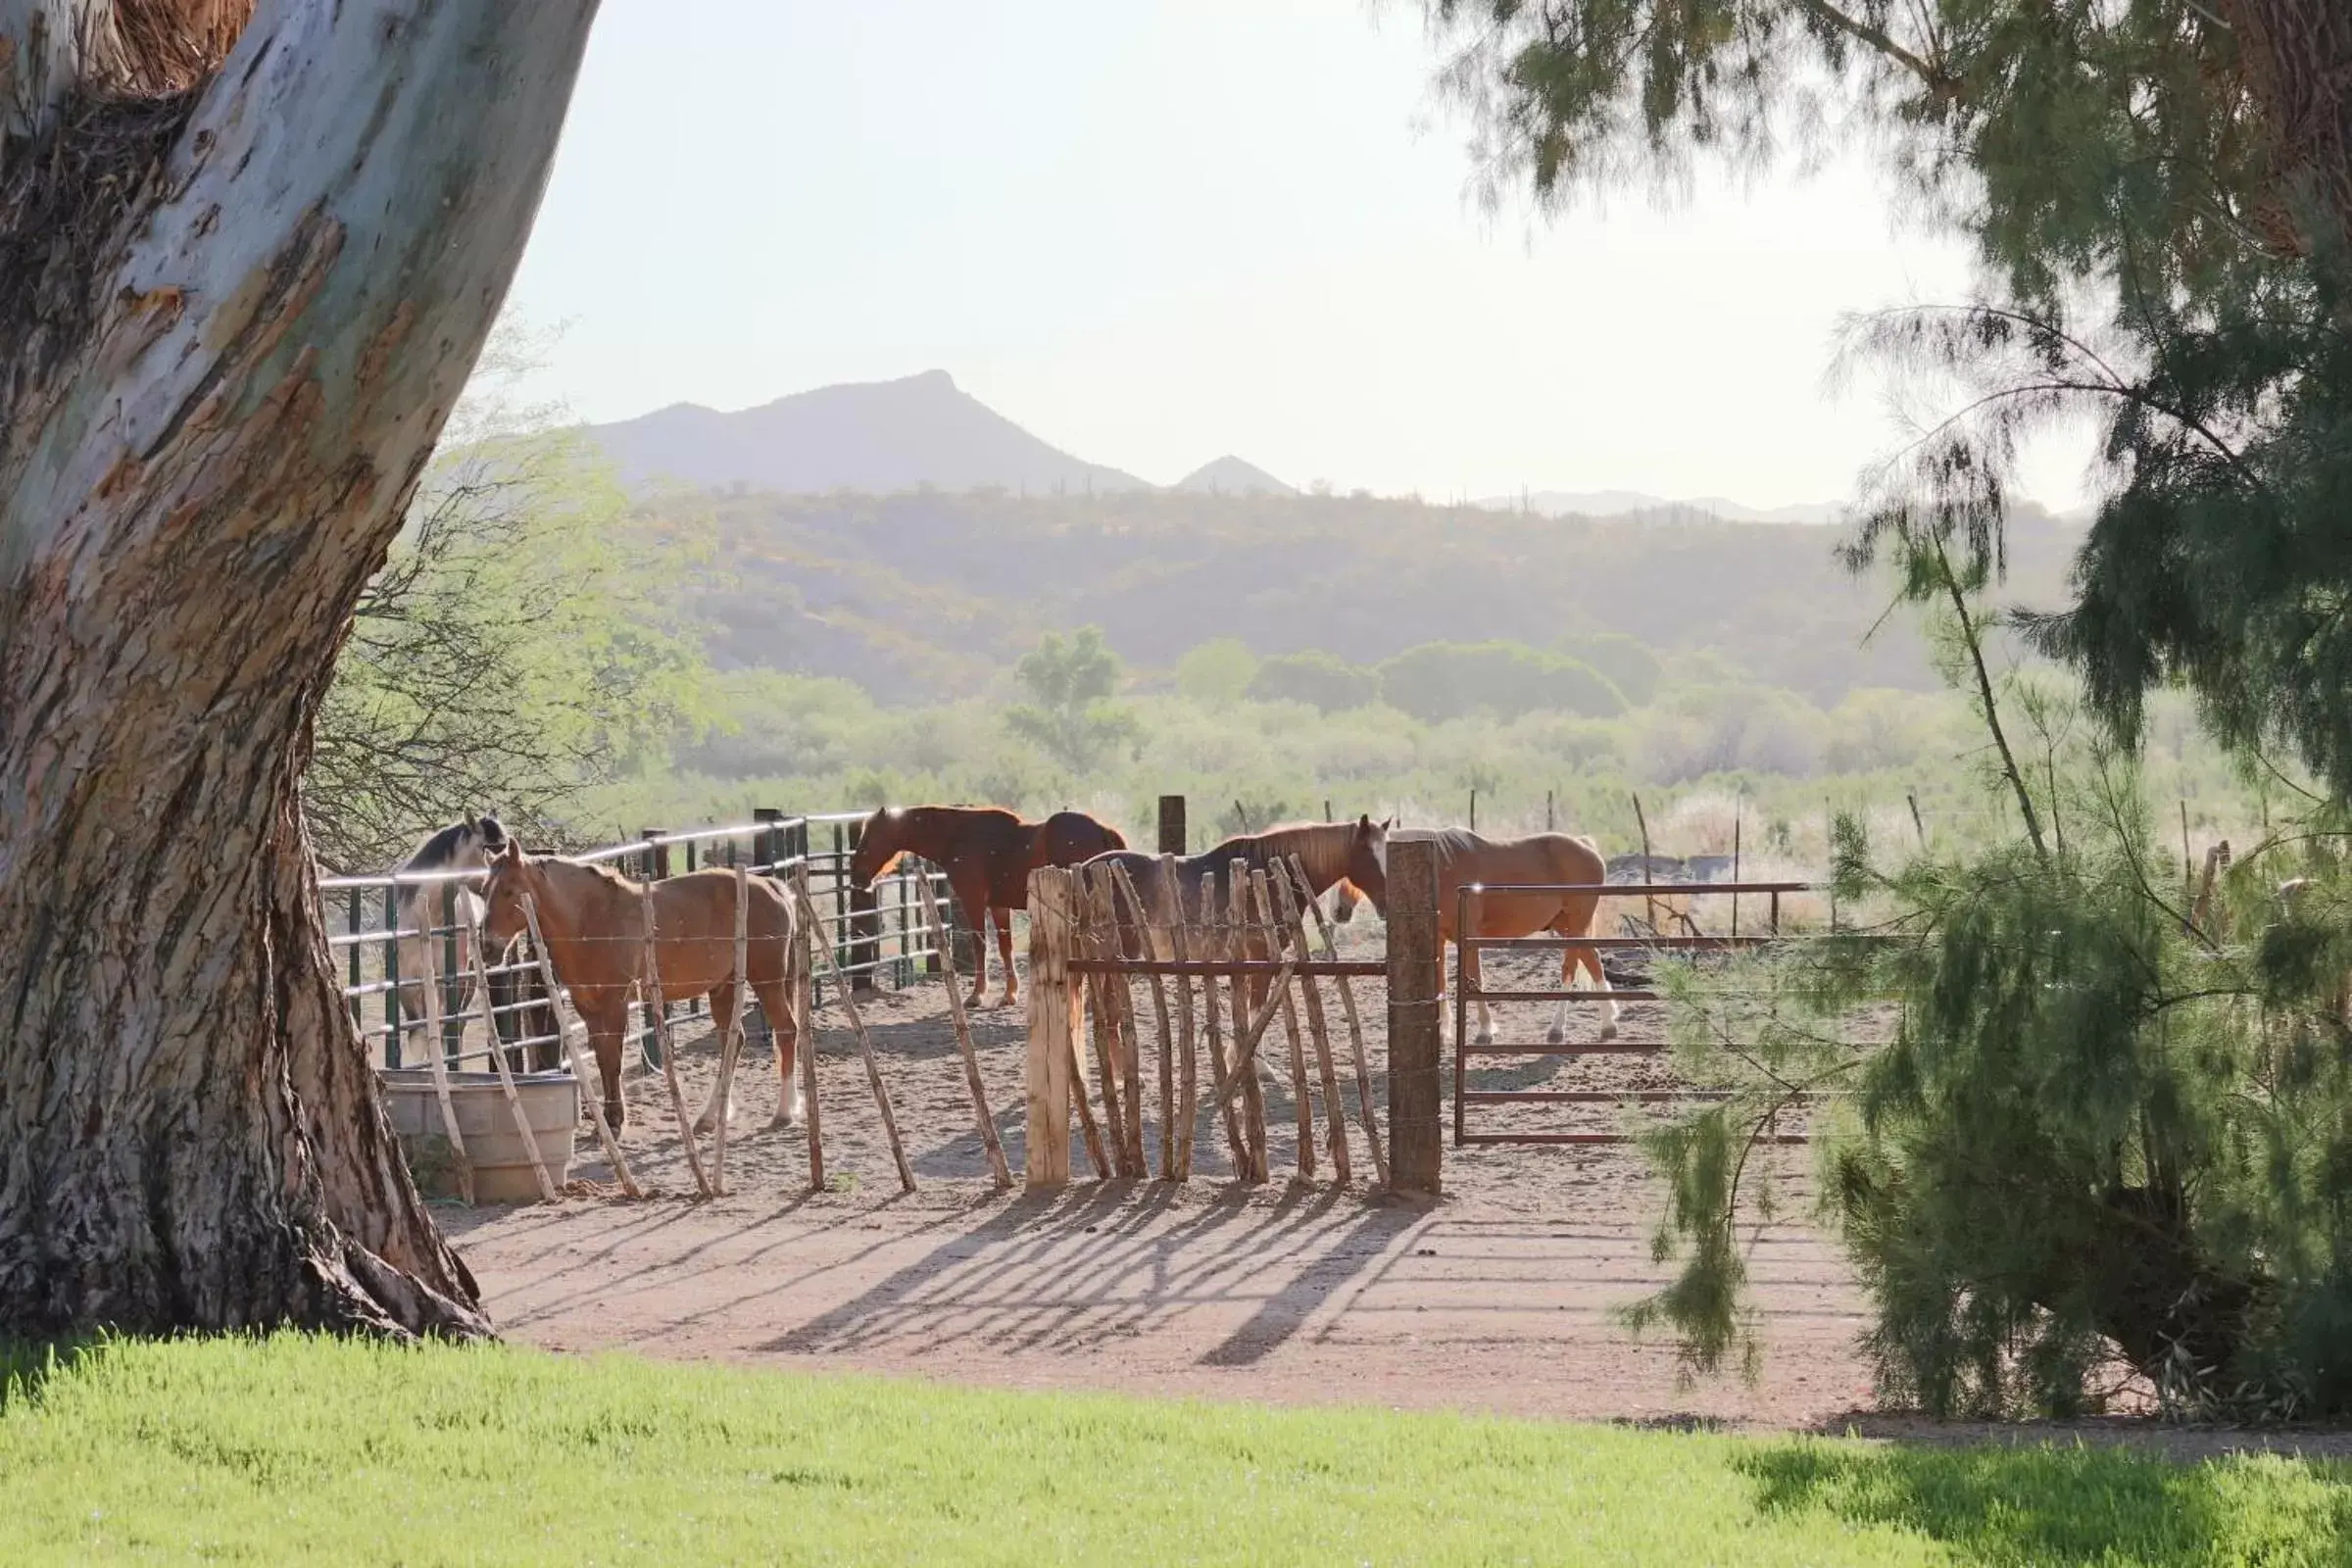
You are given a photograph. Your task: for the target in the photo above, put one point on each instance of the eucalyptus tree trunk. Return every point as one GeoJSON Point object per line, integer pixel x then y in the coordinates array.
{"type": "Point", "coordinates": [220, 379]}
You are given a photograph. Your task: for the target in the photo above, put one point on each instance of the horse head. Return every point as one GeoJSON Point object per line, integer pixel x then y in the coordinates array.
{"type": "Point", "coordinates": [1368, 863]}
{"type": "Point", "coordinates": [880, 843]}
{"type": "Point", "coordinates": [511, 877]}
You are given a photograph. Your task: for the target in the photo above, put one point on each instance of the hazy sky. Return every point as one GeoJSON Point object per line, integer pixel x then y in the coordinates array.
{"type": "Point", "coordinates": [1152, 231]}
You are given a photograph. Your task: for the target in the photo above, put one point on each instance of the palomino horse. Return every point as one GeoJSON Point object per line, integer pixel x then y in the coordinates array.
{"type": "Point", "coordinates": [1464, 859]}
{"type": "Point", "coordinates": [594, 921]}
{"type": "Point", "coordinates": [1350, 856]}
{"type": "Point", "coordinates": [418, 910]}
{"type": "Point", "coordinates": [988, 853]}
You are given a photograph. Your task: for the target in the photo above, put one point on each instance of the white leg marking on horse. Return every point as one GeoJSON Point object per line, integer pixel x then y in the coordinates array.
{"type": "Point", "coordinates": [1485, 1026]}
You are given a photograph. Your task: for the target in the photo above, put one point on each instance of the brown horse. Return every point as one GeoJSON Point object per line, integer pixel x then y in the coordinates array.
{"type": "Point", "coordinates": [1350, 856]}
{"type": "Point", "coordinates": [1465, 859]}
{"type": "Point", "coordinates": [594, 921]}
{"type": "Point", "coordinates": [988, 853]}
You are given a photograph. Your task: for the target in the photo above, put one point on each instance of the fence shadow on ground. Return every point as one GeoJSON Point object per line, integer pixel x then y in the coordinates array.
{"type": "Point", "coordinates": [1020, 1278]}
{"type": "Point", "coordinates": [2049, 1505]}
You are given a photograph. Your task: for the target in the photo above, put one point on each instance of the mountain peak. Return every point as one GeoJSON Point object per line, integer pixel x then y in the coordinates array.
{"type": "Point", "coordinates": [878, 436]}
{"type": "Point", "coordinates": [1230, 475]}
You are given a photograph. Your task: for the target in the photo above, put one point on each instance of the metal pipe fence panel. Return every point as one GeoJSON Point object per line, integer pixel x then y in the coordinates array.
{"type": "Point", "coordinates": [887, 945]}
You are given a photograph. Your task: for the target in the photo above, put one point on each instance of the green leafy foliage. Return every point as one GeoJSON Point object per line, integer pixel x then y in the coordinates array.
{"type": "Point", "coordinates": [1323, 681]}
{"type": "Point", "coordinates": [1069, 715]}
{"type": "Point", "coordinates": [520, 647]}
{"type": "Point", "coordinates": [1217, 672]}
{"type": "Point", "coordinates": [2110, 1142]}
{"type": "Point", "coordinates": [1439, 680]}
{"type": "Point", "coordinates": [1625, 663]}
{"type": "Point", "coordinates": [2161, 198]}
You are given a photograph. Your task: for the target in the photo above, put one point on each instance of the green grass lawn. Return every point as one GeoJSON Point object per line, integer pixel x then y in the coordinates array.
{"type": "Point", "coordinates": [296, 1449]}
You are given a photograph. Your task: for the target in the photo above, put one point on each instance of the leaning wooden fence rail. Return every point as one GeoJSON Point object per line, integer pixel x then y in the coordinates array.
{"type": "Point", "coordinates": [1092, 937]}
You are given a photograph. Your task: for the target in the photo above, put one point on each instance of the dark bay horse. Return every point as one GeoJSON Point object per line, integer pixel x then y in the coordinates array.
{"type": "Point", "coordinates": [988, 853]}
{"type": "Point", "coordinates": [1465, 859]}
{"type": "Point", "coordinates": [594, 920]}
{"type": "Point", "coordinates": [1352, 855]}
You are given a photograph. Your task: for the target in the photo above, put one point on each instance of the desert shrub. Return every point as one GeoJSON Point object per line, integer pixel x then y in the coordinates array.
{"type": "Point", "coordinates": [2110, 1142]}
{"type": "Point", "coordinates": [1326, 682]}
{"type": "Point", "coordinates": [1440, 680]}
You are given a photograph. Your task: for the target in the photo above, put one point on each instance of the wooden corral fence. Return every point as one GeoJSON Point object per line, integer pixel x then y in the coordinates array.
{"type": "Point", "coordinates": [1649, 939]}
{"type": "Point", "coordinates": [1255, 934]}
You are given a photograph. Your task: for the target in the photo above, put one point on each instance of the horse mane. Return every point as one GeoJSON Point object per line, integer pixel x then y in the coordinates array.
{"type": "Point", "coordinates": [1322, 846]}
{"type": "Point", "coordinates": [595, 869]}
{"type": "Point", "coordinates": [438, 849]}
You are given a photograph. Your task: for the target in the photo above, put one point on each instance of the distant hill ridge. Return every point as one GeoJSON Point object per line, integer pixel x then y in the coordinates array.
{"type": "Point", "coordinates": [929, 595]}
{"type": "Point", "coordinates": [877, 436]}
{"type": "Point", "coordinates": [925, 433]}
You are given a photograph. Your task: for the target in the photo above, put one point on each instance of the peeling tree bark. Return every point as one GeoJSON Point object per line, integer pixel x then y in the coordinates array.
{"type": "Point", "coordinates": [189, 505]}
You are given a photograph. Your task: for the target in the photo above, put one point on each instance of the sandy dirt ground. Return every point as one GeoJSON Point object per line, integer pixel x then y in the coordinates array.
{"type": "Point", "coordinates": [1502, 1296]}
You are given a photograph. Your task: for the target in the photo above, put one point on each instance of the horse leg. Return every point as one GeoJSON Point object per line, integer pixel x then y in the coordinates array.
{"type": "Point", "coordinates": [1587, 959]}
{"type": "Point", "coordinates": [1471, 972]}
{"type": "Point", "coordinates": [1012, 988]}
{"type": "Point", "coordinates": [775, 999]}
{"type": "Point", "coordinates": [605, 1027]}
{"type": "Point", "coordinates": [970, 887]}
{"type": "Point", "coordinates": [725, 997]}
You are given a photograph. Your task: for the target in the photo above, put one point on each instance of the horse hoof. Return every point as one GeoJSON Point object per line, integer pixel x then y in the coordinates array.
{"type": "Point", "coordinates": [1555, 1035]}
{"type": "Point", "coordinates": [1484, 1037]}
{"type": "Point", "coordinates": [975, 1000]}
{"type": "Point", "coordinates": [1609, 1031]}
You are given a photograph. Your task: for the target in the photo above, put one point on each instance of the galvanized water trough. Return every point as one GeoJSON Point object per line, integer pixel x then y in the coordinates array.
{"type": "Point", "coordinates": [502, 1164]}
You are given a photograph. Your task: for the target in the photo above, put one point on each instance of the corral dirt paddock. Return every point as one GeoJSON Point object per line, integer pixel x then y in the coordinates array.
{"type": "Point", "coordinates": [1499, 1296]}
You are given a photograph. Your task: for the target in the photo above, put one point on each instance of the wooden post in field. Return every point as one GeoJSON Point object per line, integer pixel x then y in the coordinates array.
{"type": "Point", "coordinates": [438, 1060]}
{"type": "Point", "coordinates": [730, 1047]}
{"type": "Point", "coordinates": [1053, 1023]}
{"type": "Point", "coordinates": [1245, 1044]}
{"type": "Point", "coordinates": [1303, 1105]}
{"type": "Point", "coordinates": [865, 924]}
{"type": "Point", "coordinates": [577, 1057]}
{"type": "Point", "coordinates": [656, 1013]}
{"type": "Point", "coordinates": [803, 1026]}
{"type": "Point", "coordinates": [865, 1047]}
{"type": "Point", "coordinates": [963, 1035]}
{"type": "Point", "coordinates": [1171, 825]}
{"type": "Point", "coordinates": [1355, 1027]}
{"type": "Point", "coordinates": [1335, 1110]}
{"type": "Point", "coordinates": [1648, 872]}
{"type": "Point", "coordinates": [1123, 886]}
{"type": "Point", "coordinates": [548, 1191]}
{"type": "Point", "coordinates": [1088, 941]}
{"type": "Point", "coordinates": [1415, 1142]}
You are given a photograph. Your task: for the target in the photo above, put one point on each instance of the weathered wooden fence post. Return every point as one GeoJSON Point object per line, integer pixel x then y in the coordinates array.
{"type": "Point", "coordinates": [865, 923]}
{"type": "Point", "coordinates": [1171, 825]}
{"type": "Point", "coordinates": [1415, 1143]}
{"type": "Point", "coordinates": [655, 862]}
{"type": "Point", "coordinates": [1053, 1024]}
